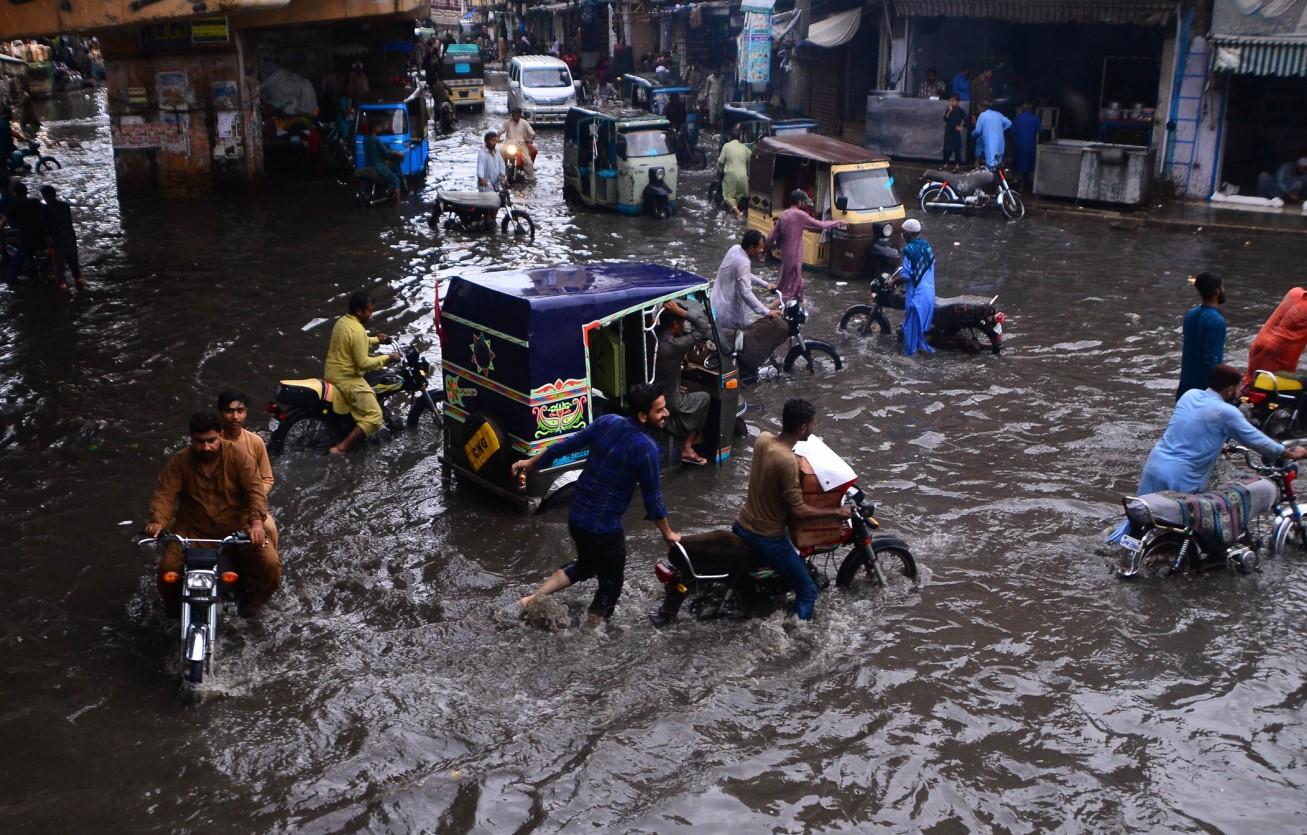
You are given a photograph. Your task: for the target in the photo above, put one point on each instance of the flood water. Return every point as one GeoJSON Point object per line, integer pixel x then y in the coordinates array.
{"type": "Point", "coordinates": [1022, 688]}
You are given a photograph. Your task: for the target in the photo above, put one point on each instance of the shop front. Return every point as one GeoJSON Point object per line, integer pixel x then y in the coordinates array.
{"type": "Point", "coordinates": [1093, 71]}
{"type": "Point", "coordinates": [1259, 70]}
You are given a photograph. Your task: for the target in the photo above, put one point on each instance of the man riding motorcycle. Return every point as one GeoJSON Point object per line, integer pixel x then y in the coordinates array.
{"type": "Point", "coordinates": [378, 157]}
{"type": "Point", "coordinates": [209, 490]}
{"type": "Point", "coordinates": [518, 132]}
{"type": "Point", "coordinates": [348, 359]}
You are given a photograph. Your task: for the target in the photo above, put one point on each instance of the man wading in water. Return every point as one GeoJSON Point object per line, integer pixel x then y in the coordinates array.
{"type": "Point", "coordinates": [622, 454]}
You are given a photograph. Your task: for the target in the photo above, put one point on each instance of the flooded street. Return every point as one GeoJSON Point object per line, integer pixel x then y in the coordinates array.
{"type": "Point", "coordinates": [1020, 688]}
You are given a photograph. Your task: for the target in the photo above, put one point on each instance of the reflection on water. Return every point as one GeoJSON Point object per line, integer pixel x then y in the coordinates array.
{"type": "Point", "coordinates": [386, 690]}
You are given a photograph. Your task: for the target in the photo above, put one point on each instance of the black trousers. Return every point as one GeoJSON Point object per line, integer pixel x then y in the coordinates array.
{"type": "Point", "coordinates": [603, 556]}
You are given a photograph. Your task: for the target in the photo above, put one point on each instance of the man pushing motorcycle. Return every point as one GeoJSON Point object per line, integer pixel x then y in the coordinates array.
{"type": "Point", "coordinates": [209, 490]}
{"type": "Point", "coordinates": [775, 500]}
{"type": "Point", "coordinates": [348, 359]}
{"type": "Point", "coordinates": [622, 454]}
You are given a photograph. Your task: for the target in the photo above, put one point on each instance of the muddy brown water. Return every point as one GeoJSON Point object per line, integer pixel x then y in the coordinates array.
{"type": "Point", "coordinates": [1020, 689]}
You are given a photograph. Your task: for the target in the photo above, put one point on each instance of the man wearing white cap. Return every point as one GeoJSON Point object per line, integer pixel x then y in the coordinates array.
{"type": "Point", "coordinates": [1289, 183]}
{"type": "Point", "coordinates": [919, 288]}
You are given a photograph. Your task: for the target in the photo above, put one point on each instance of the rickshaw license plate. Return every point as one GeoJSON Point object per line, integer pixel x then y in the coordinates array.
{"type": "Point", "coordinates": [1131, 544]}
{"type": "Point", "coordinates": [483, 444]}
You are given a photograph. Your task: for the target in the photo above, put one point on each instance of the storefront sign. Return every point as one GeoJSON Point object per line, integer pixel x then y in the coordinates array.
{"type": "Point", "coordinates": [755, 42]}
{"type": "Point", "coordinates": [160, 36]}
{"type": "Point", "coordinates": [206, 30]}
{"type": "Point", "coordinates": [136, 135]}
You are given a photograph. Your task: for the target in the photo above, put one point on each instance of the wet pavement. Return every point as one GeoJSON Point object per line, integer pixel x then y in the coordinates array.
{"type": "Point", "coordinates": [1021, 688]}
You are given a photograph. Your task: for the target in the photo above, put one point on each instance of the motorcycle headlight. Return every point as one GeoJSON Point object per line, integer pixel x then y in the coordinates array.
{"type": "Point", "coordinates": [200, 582]}
{"type": "Point", "coordinates": [887, 230]}
{"type": "Point", "coordinates": [511, 150]}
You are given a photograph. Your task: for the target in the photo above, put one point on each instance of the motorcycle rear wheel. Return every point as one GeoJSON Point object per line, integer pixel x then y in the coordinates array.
{"type": "Point", "coordinates": [301, 432]}
{"type": "Point", "coordinates": [974, 339]}
{"type": "Point", "coordinates": [1010, 203]}
{"type": "Point", "coordinates": [819, 358]}
{"type": "Point", "coordinates": [1161, 553]}
{"type": "Point", "coordinates": [931, 199]}
{"type": "Point", "coordinates": [892, 557]}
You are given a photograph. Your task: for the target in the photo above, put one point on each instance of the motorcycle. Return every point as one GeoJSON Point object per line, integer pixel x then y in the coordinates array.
{"type": "Point", "coordinates": [371, 189]}
{"type": "Point", "coordinates": [941, 191]}
{"type": "Point", "coordinates": [208, 580]}
{"type": "Point", "coordinates": [446, 119]}
{"type": "Point", "coordinates": [1273, 403]}
{"type": "Point", "coordinates": [962, 323]}
{"type": "Point", "coordinates": [312, 414]}
{"type": "Point", "coordinates": [515, 161]}
{"type": "Point", "coordinates": [44, 162]}
{"type": "Point", "coordinates": [721, 576]}
{"type": "Point", "coordinates": [475, 211]}
{"type": "Point", "coordinates": [756, 345]}
{"type": "Point", "coordinates": [1164, 540]}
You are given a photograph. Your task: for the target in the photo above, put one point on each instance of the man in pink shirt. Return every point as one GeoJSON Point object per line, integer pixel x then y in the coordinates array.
{"type": "Point", "coordinates": [788, 232]}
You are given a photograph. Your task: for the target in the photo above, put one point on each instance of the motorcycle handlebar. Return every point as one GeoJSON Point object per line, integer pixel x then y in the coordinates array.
{"type": "Point", "coordinates": [164, 537]}
{"type": "Point", "coordinates": [1253, 460]}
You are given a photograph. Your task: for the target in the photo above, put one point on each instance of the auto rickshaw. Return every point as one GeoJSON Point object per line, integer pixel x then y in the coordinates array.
{"type": "Point", "coordinates": [846, 183]}
{"type": "Point", "coordinates": [620, 161]}
{"type": "Point", "coordinates": [651, 91]}
{"type": "Point", "coordinates": [530, 357]}
{"type": "Point", "coordinates": [403, 116]}
{"type": "Point", "coordinates": [463, 75]}
{"type": "Point", "coordinates": [758, 119]}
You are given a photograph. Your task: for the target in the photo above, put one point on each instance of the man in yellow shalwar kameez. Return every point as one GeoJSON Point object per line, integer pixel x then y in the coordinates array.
{"type": "Point", "coordinates": [348, 359]}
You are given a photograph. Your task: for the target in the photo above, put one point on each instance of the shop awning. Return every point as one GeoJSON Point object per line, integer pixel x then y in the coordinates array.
{"type": "Point", "coordinates": [1284, 57]}
{"type": "Point", "coordinates": [836, 30]}
{"type": "Point", "coordinates": [1138, 12]}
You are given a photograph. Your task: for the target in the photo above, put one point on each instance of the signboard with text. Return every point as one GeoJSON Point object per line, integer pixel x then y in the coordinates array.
{"type": "Point", "coordinates": [755, 42]}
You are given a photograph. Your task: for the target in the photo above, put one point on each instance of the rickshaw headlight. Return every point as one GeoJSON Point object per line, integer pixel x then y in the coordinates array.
{"type": "Point", "coordinates": [887, 230]}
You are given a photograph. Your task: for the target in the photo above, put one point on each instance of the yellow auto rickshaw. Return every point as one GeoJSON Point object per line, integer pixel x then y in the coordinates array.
{"type": "Point", "coordinates": [845, 183]}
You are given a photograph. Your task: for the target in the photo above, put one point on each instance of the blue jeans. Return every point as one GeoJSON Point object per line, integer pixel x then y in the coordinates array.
{"type": "Point", "coordinates": [779, 553]}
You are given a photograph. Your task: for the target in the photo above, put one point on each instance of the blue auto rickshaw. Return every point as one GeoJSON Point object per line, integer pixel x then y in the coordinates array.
{"type": "Point", "coordinates": [650, 91]}
{"type": "Point", "coordinates": [758, 119]}
{"type": "Point", "coordinates": [402, 115]}
{"type": "Point", "coordinates": [530, 357]}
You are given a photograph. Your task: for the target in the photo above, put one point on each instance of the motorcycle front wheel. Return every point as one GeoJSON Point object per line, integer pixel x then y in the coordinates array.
{"type": "Point", "coordinates": [859, 320]}
{"type": "Point", "coordinates": [1286, 535]}
{"type": "Point", "coordinates": [817, 358]}
{"type": "Point", "coordinates": [1010, 203]}
{"type": "Point", "coordinates": [522, 224]}
{"type": "Point", "coordinates": [195, 672]}
{"type": "Point", "coordinates": [891, 560]}
{"type": "Point", "coordinates": [302, 431]}
{"type": "Point", "coordinates": [932, 198]}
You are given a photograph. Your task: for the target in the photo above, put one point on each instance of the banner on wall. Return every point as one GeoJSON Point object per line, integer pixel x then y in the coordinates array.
{"type": "Point", "coordinates": [755, 42]}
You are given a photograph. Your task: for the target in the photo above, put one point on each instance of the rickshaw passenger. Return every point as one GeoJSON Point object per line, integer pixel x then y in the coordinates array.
{"type": "Point", "coordinates": [378, 156]}
{"type": "Point", "coordinates": [680, 328]}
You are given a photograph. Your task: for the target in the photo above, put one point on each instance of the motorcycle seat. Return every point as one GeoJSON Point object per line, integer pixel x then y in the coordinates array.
{"type": "Point", "coordinates": [487, 200]}
{"type": "Point", "coordinates": [960, 301]}
{"type": "Point", "coordinates": [1165, 508]}
{"type": "Point", "coordinates": [973, 180]}
{"type": "Point", "coordinates": [306, 393]}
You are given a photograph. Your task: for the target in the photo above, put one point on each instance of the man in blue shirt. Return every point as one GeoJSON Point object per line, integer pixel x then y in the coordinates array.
{"type": "Point", "coordinates": [1203, 421]}
{"type": "Point", "coordinates": [1204, 335]}
{"type": "Point", "coordinates": [989, 131]}
{"type": "Point", "coordinates": [622, 454]}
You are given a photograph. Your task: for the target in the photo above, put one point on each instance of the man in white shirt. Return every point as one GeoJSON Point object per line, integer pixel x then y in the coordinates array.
{"type": "Point", "coordinates": [735, 308]}
{"type": "Point", "coordinates": [518, 131]}
{"type": "Point", "coordinates": [490, 166]}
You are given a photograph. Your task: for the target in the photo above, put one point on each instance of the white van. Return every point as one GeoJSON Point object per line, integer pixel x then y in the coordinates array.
{"type": "Point", "coordinates": [542, 86]}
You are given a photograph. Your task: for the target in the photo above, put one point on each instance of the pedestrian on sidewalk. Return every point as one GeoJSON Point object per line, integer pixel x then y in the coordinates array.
{"type": "Point", "coordinates": [1204, 335]}
{"type": "Point", "coordinates": [955, 120]}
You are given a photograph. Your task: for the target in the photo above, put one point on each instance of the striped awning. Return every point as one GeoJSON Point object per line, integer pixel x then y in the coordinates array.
{"type": "Point", "coordinates": [1285, 57]}
{"type": "Point", "coordinates": [1138, 12]}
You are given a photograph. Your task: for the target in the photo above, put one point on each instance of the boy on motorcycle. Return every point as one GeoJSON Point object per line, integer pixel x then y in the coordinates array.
{"type": "Point", "coordinates": [209, 490]}
{"type": "Point", "coordinates": [775, 498]}
{"type": "Point", "coordinates": [233, 408]}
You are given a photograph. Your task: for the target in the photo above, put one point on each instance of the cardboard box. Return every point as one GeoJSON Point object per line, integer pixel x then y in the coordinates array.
{"type": "Point", "coordinates": [819, 533]}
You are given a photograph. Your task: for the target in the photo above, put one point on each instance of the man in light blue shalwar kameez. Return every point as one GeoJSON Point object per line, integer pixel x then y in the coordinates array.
{"type": "Point", "coordinates": [919, 289]}
{"type": "Point", "coordinates": [1203, 421]}
{"type": "Point", "coordinates": [990, 146]}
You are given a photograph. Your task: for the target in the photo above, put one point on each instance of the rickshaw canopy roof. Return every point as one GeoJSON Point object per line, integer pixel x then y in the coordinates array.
{"type": "Point", "coordinates": [818, 148]}
{"type": "Point", "coordinates": [665, 83]}
{"type": "Point", "coordinates": [626, 119]}
{"type": "Point", "coordinates": [385, 98]}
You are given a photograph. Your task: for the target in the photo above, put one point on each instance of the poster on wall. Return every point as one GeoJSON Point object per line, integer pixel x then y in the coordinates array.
{"type": "Point", "coordinates": [227, 135]}
{"type": "Point", "coordinates": [172, 89]}
{"type": "Point", "coordinates": [225, 96]}
{"type": "Point", "coordinates": [755, 42]}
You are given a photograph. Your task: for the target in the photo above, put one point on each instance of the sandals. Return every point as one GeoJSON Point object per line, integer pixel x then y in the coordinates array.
{"type": "Point", "coordinates": [699, 461]}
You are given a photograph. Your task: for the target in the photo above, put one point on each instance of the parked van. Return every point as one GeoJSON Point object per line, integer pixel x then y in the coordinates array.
{"type": "Point", "coordinates": [542, 86]}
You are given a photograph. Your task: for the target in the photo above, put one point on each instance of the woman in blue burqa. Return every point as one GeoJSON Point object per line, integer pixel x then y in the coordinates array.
{"type": "Point", "coordinates": [919, 288]}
